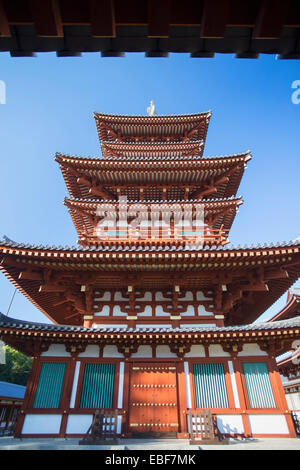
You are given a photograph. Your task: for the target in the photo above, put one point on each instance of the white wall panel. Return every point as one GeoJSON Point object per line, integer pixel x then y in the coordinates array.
{"type": "Point", "coordinates": [42, 424]}
{"type": "Point", "coordinates": [268, 424]}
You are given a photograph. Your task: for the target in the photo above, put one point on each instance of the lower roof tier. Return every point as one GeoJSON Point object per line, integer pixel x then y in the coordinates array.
{"type": "Point", "coordinates": [34, 338]}
{"type": "Point", "coordinates": [206, 221]}
{"type": "Point", "coordinates": [63, 283]}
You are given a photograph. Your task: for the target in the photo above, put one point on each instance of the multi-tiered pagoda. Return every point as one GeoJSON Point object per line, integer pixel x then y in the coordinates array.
{"type": "Point", "coordinates": [153, 309]}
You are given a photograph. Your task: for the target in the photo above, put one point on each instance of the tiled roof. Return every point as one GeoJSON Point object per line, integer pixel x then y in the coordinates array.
{"type": "Point", "coordinates": [170, 201]}
{"type": "Point", "coordinates": [115, 247]}
{"type": "Point", "coordinates": [7, 322]}
{"type": "Point", "coordinates": [91, 159]}
{"type": "Point", "coordinates": [9, 390]}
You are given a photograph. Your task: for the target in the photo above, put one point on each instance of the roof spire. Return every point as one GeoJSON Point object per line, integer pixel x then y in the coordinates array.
{"type": "Point", "coordinates": [151, 109]}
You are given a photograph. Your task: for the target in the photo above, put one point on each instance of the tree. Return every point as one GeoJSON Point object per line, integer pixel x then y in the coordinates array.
{"type": "Point", "coordinates": [17, 367]}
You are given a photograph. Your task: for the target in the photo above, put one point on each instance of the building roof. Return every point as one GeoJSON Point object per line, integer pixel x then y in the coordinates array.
{"type": "Point", "coordinates": [10, 390]}
{"type": "Point", "coordinates": [152, 150]}
{"type": "Point", "coordinates": [24, 335]}
{"type": "Point", "coordinates": [220, 211]}
{"type": "Point", "coordinates": [8, 322]}
{"type": "Point", "coordinates": [243, 28]}
{"type": "Point", "coordinates": [176, 128]}
{"type": "Point", "coordinates": [292, 307]}
{"type": "Point", "coordinates": [108, 179]}
{"type": "Point", "coordinates": [50, 277]}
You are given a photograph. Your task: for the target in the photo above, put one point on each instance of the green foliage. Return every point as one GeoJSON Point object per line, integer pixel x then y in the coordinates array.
{"type": "Point", "coordinates": [17, 367]}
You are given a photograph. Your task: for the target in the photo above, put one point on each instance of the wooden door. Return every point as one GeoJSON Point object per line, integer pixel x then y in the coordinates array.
{"type": "Point", "coordinates": [153, 399]}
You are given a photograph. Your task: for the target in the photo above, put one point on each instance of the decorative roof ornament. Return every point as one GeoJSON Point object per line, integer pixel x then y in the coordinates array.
{"type": "Point", "coordinates": [151, 109]}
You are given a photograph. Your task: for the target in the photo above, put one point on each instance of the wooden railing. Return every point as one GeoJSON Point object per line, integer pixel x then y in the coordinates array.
{"type": "Point", "coordinates": [203, 428]}
{"type": "Point", "coordinates": [103, 429]}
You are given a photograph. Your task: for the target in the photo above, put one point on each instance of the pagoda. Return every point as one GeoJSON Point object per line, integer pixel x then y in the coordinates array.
{"type": "Point", "coordinates": [153, 310]}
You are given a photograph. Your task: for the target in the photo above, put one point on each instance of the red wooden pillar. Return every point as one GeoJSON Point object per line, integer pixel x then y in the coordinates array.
{"type": "Point", "coordinates": [238, 372]}
{"type": "Point", "coordinates": [125, 423]}
{"type": "Point", "coordinates": [182, 403]}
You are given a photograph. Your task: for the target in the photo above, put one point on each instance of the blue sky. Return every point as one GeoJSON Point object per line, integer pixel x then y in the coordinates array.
{"type": "Point", "coordinates": [49, 107]}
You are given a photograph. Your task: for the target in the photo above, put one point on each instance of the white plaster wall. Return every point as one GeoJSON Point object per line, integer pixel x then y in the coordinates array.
{"type": "Point", "coordinates": [147, 312]}
{"type": "Point", "coordinates": [56, 350]}
{"type": "Point", "coordinates": [142, 325]}
{"type": "Point", "coordinates": [111, 351]}
{"type": "Point", "coordinates": [143, 351]}
{"type": "Point", "coordinates": [75, 384]}
{"type": "Point", "coordinates": [188, 296]}
{"type": "Point", "coordinates": [147, 297]}
{"type": "Point", "coordinates": [92, 350]}
{"type": "Point", "coordinates": [104, 312]}
{"type": "Point", "coordinates": [216, 350]}
{"type": "Point", "coordinates": [187, 385]}
{"type": "Point", "coordinates": [164, 351]}
{"type": "Point", "coordinates": [117, 311]}
{"type": "Point", "coordinates": [202, 311]}
{"type": "Point", "coordinates": [159, 312]}
{"type": "Point", "coordinates": [110, 325]}
{"type": "Point", "coordinates": [234, 385]}
{"type": "Point", "coordinates": [105, 296]}
{"type": "Point", "coordinates": [121, 385]}
{"type": "Point", "coordinates": [196, 325]}
{"type": "Point", "coordinates": [230, 424]}
{"type": "Point", "coordinates": [42, 424]}
{"type": "Point", "coordinates": [160, 297]}
{"type": "Point", "coordinates": [118, 296]}
{"type": "Point", "coordinates": [197, 350]}
{"type": "Point", "coordinates": [190, 311]}
{"type": "Point", "coordinates": [78, 424]}
{"type": "Point", "coordinates": [268, 424]}
{"type": "Point", "coordinates": [252, 349]}
{"type": "Point", "coordinates": [201, 296]}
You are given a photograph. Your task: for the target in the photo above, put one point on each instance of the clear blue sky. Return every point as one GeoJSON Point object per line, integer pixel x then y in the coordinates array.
{"type": "Point", "coordinates": [50, 102]}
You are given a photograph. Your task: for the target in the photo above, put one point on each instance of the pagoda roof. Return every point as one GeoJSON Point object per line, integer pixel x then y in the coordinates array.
{"type": "Point", "coordinates": [33, 268]}
{"type": "Point", "coordinates": [223, 210]}
{"type": "Point", "coordinates": [187, 127]}
{"type": "Point", "coordinates": [292, 307]}
{"type": "Point", "coordinates": [24, 334]}
{"type": "Point", "coordinates": [82, 175]}
{"type": "Point", "coordinates": [152, 150]}
{"type": "Point", "coordinates": [289, 366]}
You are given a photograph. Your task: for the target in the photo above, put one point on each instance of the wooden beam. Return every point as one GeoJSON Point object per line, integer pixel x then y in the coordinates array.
{"type": "Point", "coordinates": [214, 18]}
{"type": "Point", "coordinates": [47, 18]}
{"type": "Point", "coordinates": [270, 19]}
{"type": "Point", "coordinates": [158, 18]}
{"type": "Point", "coordinates": [51, 288]}
{"type": "Point", "coordinates": [100, 191]}
{"type": "Point", "coordinates": [4, 25]}
{"type": "Point", "coordinates": [102, 17]}
{"type": "Point", "coordinates": [31, 276]}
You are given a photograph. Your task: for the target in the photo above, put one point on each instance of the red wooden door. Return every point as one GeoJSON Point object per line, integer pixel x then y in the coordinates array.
{"type": "Point", "coordinates": [153, 399]}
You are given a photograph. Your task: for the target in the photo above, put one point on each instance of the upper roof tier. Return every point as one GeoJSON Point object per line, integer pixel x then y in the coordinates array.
{"type": "Point", "coordinates": [157, 179]}
{"type": "Point", "coordinates": [136, 129]}
{"type": "Point", "coordinates": [152, 150]}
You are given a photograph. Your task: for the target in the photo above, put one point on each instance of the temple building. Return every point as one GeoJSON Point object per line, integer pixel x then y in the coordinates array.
{"type": "Point", "coordinates": [289, 363]}
{"type": "Point", "coordinates": [153, 310]}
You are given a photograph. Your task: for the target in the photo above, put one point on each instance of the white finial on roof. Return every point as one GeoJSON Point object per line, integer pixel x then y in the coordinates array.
{"type": "Point", "coordinates": [151, 109]}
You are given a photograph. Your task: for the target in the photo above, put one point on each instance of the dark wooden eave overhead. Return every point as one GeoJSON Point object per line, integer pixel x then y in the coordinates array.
{"type": "Point", "coordinates": [113, 27]}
